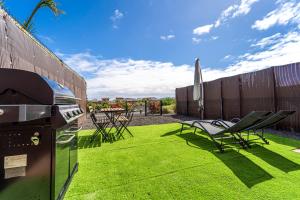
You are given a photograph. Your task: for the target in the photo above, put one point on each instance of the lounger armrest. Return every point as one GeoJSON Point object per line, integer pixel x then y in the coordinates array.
{"type": "Point", "coordinates": [199, 122]}
{"type": "Point", "coordinates": [220, 122]}
{"type": "Point", "coordinates": [213, 122]}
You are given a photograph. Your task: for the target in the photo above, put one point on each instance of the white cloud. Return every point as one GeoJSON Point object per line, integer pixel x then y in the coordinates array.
{"type": "Point", "coordinates": [196, 40]}
{"type": "Point", "coordinates": [283, 50]}
{"type": "Point", "coordinates": [81, 62]}
{"type": "Point", "coordinates": [243, 8]}
{"type": "Point", "coordinates": [203, 29]}
{"type": "Point", "coordinates": [235, 10]}
{"type": "Point", "coordinates": [127, 77]}
{"type": "Point", "coordinates": [280, 50]}
{"type": "Point", "coordinates": [286, 13]}
{"type": "Point", "coordinates": [140, 78]}
{"type": "Point", "coordinates": [167, 37]}
{"type": "Point", "coordinates": [45, 38]}
{"type": "Point", "coordinates": [267, 41]}
{"type": "Point", "coordinates": [116, 17]}
{"type": "Point", "coordinates": [227, 57]}
{"type": "Point", "coordinates": [217, 23]}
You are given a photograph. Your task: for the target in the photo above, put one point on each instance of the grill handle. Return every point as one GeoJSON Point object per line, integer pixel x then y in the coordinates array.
{"type": "Point", "coordinates": [74, 131]}
{"type": "Point", "coordinates": [66, 141]}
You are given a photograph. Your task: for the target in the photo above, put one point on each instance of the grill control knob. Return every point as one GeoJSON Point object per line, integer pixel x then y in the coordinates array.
{"type": "Point", "coordinates": [1, 112]}
{"type": "Point", "coordinates": [74, 113]}
{"type": "Point", "coordinates": [66, 116]}
{"type": "Point", "coordinates": [35, 139]}
{"type": "Point", "coordinates": [69, 115]}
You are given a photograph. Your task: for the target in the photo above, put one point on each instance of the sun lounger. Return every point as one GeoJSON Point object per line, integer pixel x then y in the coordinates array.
{"type": "Point", "coordinates": [217, 130]}
{"type": "Point", "coordinates": [267, 123]}
{"type": "Point", "coordinates": [271, 120]}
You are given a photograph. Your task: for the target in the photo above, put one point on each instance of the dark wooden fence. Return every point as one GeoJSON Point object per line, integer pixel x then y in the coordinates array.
{"type": "Point", "coordinates": [273, 89]}
{"type": "Point", "coordinates": [20, 50]}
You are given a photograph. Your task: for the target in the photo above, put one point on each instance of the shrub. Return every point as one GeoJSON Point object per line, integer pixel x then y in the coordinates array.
{"type": "Point", "coordinates": [154, 107]}
{"type": "Point", "coordinates": [91, 105]}
{"type": "Point", "coordinates": [171, 109]}
{"type": "Point", "coordinates": [168, 101]}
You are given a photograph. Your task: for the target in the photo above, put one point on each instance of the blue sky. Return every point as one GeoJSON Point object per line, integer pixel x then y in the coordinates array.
{"type": "Point", "coordinates": [138, 48]}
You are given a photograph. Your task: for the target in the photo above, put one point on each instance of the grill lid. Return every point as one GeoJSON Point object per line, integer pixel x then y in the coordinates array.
{"type": "Point", "coordinates": [26, 96]}
{"type": "Point", "coordinates": [61, 94]}
{"type": "Point", "coordinates": [23, 87]}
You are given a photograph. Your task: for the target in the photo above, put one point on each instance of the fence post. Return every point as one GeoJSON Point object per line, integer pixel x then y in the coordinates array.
{"type": "Point", "coordinates": [274, 90]}
{"type": "Point", "coordinates": [274, 94]}
{"type": "Point", "coordinates": [161, 112]}
{"type": "Point", "coordinates": [176, 100]}
{"type": "Point", "coordinates": [203, 114]}
{"type": "Point", "coordinates": [240, 92]}
{"type": "Point", "coordinates": [222, 102]}
{"type": "Point", "coordinates": [145, 107]}
{"type": "Point", "coordinates": [187, 101]}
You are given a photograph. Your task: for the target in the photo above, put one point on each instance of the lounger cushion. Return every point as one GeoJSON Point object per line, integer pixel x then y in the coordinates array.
{"type": "Point", "coordinates": [272, 120]}
{"type": "Point", "coordinates": [211, 129]}
{"type": "Point", "coordinates": [248, 121]}
{"type": "Point", "coordinates": [188, 122]}
{"type": "Point", "coordinates": [209, 121]}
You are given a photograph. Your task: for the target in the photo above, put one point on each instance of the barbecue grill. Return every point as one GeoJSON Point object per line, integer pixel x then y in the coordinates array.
{"type": "Point", "coordinates": [38, 136]}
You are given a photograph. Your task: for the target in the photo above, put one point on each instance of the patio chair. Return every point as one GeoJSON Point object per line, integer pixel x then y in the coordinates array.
{"type": "Point", "coordinates": [101, 124]}
{"type": "Point", "coordinates": [272, 120]}
{"type": "Point", "coordinates": [217, 130]}
{"type": "Point", "coordinates": [124, 122]}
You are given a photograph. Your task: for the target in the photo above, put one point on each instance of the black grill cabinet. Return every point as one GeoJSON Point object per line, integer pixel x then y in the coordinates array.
{"type": "Point", "coordinates": [38, 136]}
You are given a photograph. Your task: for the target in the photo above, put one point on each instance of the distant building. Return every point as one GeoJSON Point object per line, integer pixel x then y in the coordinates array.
{"type": "Point", "coordinates": [105, 99]}
{"type": "Point", "coordinates": [150, 98]}
{"type": "Point", "coordinates": [125, 99]}
{"type": "Point", "coordinates": [130, 99]}
{"type": "Point", "coordinates": [119, 98]}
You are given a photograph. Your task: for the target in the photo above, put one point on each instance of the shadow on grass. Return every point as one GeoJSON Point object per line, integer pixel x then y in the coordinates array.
{"type": "Point", "coordinates": [292, 142]}
{"type": "Point", "coordinates": [247, 171]}
{"type": "Point", "coordinates": [84, 142]}
{"type": "Point", "coordinates": [274, 159]}
{"type": "Point", "coordinates": [173, 132]}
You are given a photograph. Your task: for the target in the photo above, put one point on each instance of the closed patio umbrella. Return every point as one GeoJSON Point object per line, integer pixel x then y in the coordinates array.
{"type": "Point", "coordinates": [198, 92]}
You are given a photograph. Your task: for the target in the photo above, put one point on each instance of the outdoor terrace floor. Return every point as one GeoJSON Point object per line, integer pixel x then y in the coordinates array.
{"type": "Point", "coordinates": [159, 163]}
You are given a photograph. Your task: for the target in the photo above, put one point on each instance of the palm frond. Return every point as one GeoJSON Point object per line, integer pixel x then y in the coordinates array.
{"type": "Point", "coordinates": [51, 4]}
{"type": "Point", "coordinates": [31, 28]}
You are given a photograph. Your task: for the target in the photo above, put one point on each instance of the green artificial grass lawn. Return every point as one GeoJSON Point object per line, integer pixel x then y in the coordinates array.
{"type": "Point", "coordinates": [159, 163]}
